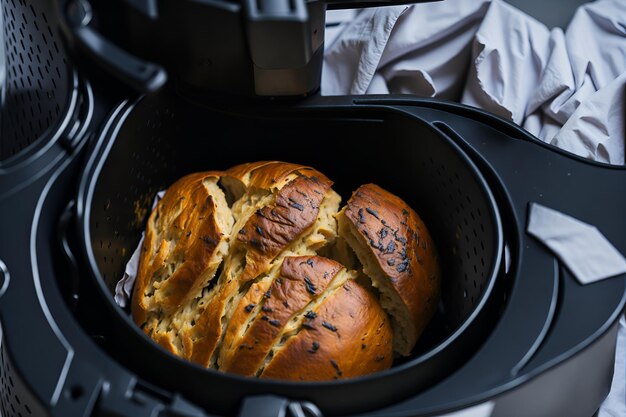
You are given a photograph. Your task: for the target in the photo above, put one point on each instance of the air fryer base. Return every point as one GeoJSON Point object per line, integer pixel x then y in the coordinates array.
{"type": "Point", "coordinates": [51, 366]}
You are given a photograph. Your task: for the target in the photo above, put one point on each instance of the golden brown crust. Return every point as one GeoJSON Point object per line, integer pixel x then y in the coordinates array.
{"type": "Point", "coordinates": [398, 241]}
{"type": "Point", "coordinates": [301, 280]}
{"type": "Point", "coordinates": [262, 175]}
{"type": "Point", "coordinates": [272, 228]}
{"type": "Point", "coordinates": [278, 310]}
{"type": "Point", "coordinates": [181, 245]}
{"type": "Point", "coordinates": [349, 336]}
{"type": "Point", "coordinates": [266, 233]}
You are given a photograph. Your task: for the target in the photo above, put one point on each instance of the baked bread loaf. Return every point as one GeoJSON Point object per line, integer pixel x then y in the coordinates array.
{"type": "Point", "coordinates": [231, 275]}
{"type": "Point", "coordinates": [398, 254]}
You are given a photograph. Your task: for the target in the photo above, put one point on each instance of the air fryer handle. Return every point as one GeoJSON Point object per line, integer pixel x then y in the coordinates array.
{"type": "Point", "coordinates": [143, 76]}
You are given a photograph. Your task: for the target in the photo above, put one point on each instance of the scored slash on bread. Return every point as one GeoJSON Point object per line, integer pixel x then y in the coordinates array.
{"type": "Point", "coordinates": [304, 302]}
{"type": "Point", "coordinates": [186, 240]}
{"type": "Point", "coordinates": [345, 334]}
{"type": "Point", "coordinates": [255, 298]}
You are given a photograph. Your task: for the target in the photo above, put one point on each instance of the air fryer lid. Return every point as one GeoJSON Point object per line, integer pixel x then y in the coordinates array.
{"type": "Point", "coordinates": [164, 138]}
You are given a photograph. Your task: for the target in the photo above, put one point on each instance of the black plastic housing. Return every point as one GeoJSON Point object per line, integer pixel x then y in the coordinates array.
{"type": "Point", "coordinates": [549, 327]}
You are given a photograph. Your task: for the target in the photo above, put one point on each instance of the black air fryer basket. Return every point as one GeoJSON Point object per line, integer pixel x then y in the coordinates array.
{"type": "Point", "coordinates": [163, 138]}
{"type": "Point", "coordinates": [514, 329]}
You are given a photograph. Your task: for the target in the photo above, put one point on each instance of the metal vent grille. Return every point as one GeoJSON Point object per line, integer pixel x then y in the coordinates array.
{"type": "Point", "coordinates": [15, 400]}
{"type": "Point", "coordinates": [36, 78]}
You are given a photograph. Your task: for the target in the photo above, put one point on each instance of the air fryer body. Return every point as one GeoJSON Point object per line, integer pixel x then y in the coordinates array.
{"type": "Point", "coordinates": [525, 337]}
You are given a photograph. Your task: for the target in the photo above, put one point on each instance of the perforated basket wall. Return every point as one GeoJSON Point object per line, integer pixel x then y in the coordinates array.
{"type": "Point", "coordinates": [37, 77]}
{"type": "Point", "coordinates": [161, 141]}
{"type": "Point", "coordinates": [15, 398]}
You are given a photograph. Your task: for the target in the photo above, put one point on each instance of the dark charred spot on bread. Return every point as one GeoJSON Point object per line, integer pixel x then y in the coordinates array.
{"type": "Point", "coordinates": [402, 267]}
{"type": "Point", "coordinates": [336, 366]}
{"type": "Point", "coordinates": [265, 318]}
{"type": "Point", "coordinates": [363, 345]}
{"type": "Point", "coordinates": [209, 240]}
{"type": "Point", "coordinates": [310, 315]}
{"type": "Point", "coordinates": [391, 247]}
{"type": "Point", "coordinates": [259, 213]}
{"type": "Point", "coordinates": [329, 326]}
{"type": "Point", "coordinates": [275, 323]}
{"type": "Point", "coordinates": [314, 179]}
{"type": "Point", "coordinates": [391, 262]}
{"type": "Point", "coordinates": [286, 303]}
{"type": "Point", "coordinates": [242, 231]}
{"type": "Point", "coordinates": [424, 244]}
{"type": "Point", "coordinates": [260, 231]}
{"type": "Point", "coordinates": [401, 239]}
{"type": "Point", "coordinates": [383, 233]}
{"type": "Point", "coordinates": [192, 323]}
{"type": "Point", "coordinates": [303, 194]}
{"type": "Point", "coordinates": [266, 309]}
{"type": "Point", "coordinates": [361, 216]}
{"type": "Point", "coordinates": [268, 293]}
{"type": "Point", "coordinates": [309, 285]}
{"type": "Point", "coordinates": [405, 212]}
{"type": "Point", "coordinates": [309, 262]}
{"type": "Point", "coordinates": [256, 243]}
{"type": "Point", "coordinates": [379, 358]}
{"type": "Point", "coordinates": [314, 347]}
{"type": "Point", "coordinates": [188, 234]}
{"type": "Point", "coordinates": [308, 325]}
{"type": "Point", "coordinates": [372, 212]}
{"type": "Point", "coordinates": [293, 203]}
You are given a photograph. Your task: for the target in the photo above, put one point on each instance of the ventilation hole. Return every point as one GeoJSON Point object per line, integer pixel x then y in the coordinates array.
{"type": "Point", "coordinates": [26, 114]}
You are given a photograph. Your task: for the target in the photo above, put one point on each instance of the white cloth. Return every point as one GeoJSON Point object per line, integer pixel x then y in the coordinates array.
{"type": "Point", "coordinates": [124, 287]}
{"type": "Point", "coordinates": [615, 403]}
{"type": "Point", "coordinates": [585, 251]}
{"type": "Point", "coordinates": [567, 88]}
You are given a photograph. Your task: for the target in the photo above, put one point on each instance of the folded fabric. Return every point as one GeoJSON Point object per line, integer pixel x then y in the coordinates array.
{"type": "Point", "coordinates": [124, 287]}
{"type": "Point", "coordinates": [565, 88]}
{"type": "Point", "coordinates": [615, 403]}
{"type": "Point", "coordinates": [581, 247]}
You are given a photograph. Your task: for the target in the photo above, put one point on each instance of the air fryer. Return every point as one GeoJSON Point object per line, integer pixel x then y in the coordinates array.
{"type": "Point", "coordinates": [515, 329]}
